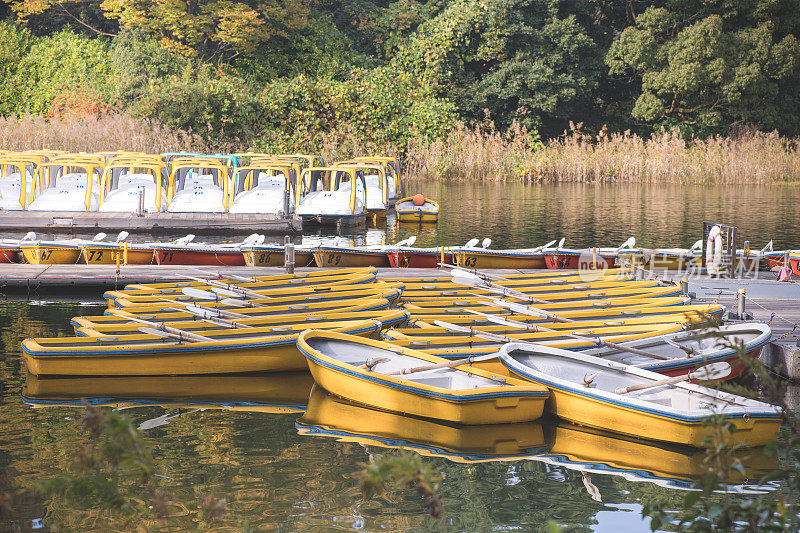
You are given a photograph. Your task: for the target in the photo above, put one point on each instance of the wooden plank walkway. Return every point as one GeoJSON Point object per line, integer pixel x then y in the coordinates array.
{"type": "Point", "coordinates": [150, 223]}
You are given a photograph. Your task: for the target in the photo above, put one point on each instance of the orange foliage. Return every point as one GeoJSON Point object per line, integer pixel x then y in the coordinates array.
{"type": "Point", "coordinates": [78, 102]}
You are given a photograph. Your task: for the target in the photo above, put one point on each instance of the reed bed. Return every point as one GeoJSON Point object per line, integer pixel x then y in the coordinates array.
{"type": "Point", "coordinates": [749, 157]}
{"type": "Point", "coordinates": [467, 153]}
{"type": "Point", "coordinates": [91, 134]}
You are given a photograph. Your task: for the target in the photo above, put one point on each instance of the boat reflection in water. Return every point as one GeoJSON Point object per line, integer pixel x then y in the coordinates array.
{"type": "Point", "coordinates": [560, 444]}
{"type": "Point", "coordinates": [285, 392]}
{"type": "Point", "coordinates": [330, 416]}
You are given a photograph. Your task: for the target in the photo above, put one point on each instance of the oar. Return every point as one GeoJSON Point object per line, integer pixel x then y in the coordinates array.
{"type": "Point", "coordinates": [233, 290]}
{"type": "Point", "coordinates": [540, 248]}
{"type": "Point", "coordinates": [122, 236]}
{"type": "Point", "coordinates": [471, 243]}
{"type": "Point", "coordinates": [462, 277]}
{"type": "Point", "coordinates": [481, 334]}
{"type": "Point", "coordinates": [200, 294]}
{"type": "Point", "coordinates": [704, 373]}
{"type": "Point", "coordinates": [527, 310]}
{"type": "Point", "coordinates": [206, 314]}
{"type": "Point", "coordinates": [407, 242]}
{"type": "Point", "coordinates": [630, 243]}
{"type": "Point", "coordinates": [561, 243]}
{"type": "Point", "coordinates": [486, 242]}
{"type": "Point", "coordinates": [163, 419]}
{"type": "Point", "coordinates": [188, 335]}
{"type": "Point", "coordinates": [99, 237]}
{"type": "Point", "coordinates": [535, 327]}
{"type": "Point", "coordinates": [482, 275]}
{"type": "Point", "coordinates": [186, 239]}
{"type": "Point", "coordinates": [447, 364]}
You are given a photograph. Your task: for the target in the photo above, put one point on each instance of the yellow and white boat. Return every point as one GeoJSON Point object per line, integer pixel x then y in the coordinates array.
{"type": "Point", "coordinates": [411, 209]}
{"type": "Point", "coordinates": [158, 352]}
{"type": "Point", "coordinates": [586, 391]}
{"type": "Point", "coordinates": [272, 255]}
{"type": "Point", "coordinates": [459, 394]}
{"type": "Point", "coordinates": [284, 392]}
{"type": "Point", "coordinates": [109, 253]}
{"type": "Point", "coordinates": [333, 417]}
{"type": "Point", "coordinates": [51, 252]}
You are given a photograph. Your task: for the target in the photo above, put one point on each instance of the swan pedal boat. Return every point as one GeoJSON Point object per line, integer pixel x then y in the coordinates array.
{"type": "Point", "coordinates": [234, 314]}
{"type": "Point", "coordinates": [332, 417]}
{"type": "Point", "coordinates": [691, 349]}
{"type": "Point", "coordinates": [407, 211]}
{"type": "Point", "coordinates": [271, 255]}
{"type": "Point", "coordinates": [671, 413]}
{"type": "Point", "coordinates": [461, 394]}
{"type": "Point", "coordinates": [277, 393]}
{"type": "Point", "coordinates": [198, 325]}
{"type": "Point", "coordinates": [229, 350]}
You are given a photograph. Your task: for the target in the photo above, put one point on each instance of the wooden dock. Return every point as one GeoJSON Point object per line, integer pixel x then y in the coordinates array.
{"type": "Point", "coordinates": [150, 223]}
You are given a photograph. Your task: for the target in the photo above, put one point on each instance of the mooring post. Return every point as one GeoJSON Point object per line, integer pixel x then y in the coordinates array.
{"type": "Point", "coordinates": [741, 313]}
{"type": "Point", "coordinates": [140, 205]}
{"type": "Point", "coordinates": [288, 254]}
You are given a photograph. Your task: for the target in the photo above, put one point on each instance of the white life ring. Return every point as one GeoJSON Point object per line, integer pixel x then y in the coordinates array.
{"type": "Point", "coordinates": [714, 251]}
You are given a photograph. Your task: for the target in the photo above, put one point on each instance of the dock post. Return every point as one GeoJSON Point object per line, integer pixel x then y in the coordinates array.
{"type": "Point", "coordinates": [740, 313]}
{"type": "Point", "coordinates": [140, 205]}
{"type": "Point", "coordinates": [288, 255]}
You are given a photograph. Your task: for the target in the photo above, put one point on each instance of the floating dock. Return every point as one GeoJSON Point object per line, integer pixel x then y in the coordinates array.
{"type": "Point", "coordinates": [149, 223]}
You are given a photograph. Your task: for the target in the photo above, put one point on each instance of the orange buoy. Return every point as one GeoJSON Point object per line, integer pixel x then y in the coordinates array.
{"type": "Point", "coordinates": [419, 199]}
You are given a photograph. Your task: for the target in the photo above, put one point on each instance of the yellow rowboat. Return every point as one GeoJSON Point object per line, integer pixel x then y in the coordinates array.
{"type": "Point", "coordinates": [670, 412]}
{"type": "Point", "coordinates": [703, 312]}
{"type": "Point", "coordinates": [469, 346]}
{"type": "Point", "coordinates": [327, 277]}
{"type": "Point", "coordinates": [125, 299]}
{"type": "Point", "coordinates": [354, 256]}
{"type": "Point", "coordinates": [119, 317]}
{"type": "Point", "coordinates": [458, 394]}
{"type": "Point", "coordinates": [108, 253]}
{"type": "Point", "coordinates": [227, 351]}
{"type": "Point", "coordinates": [51, 253]}
{"type": "Point", "coordinates": [483, 258]}
{"type": "Point", "coordinates": [270, 255]}
{"type": "Point", "coordinates": [284, 392]}
{"type": "Point", "coordinates": [630, 290]}
{"type": "Point", "coordinates": [594, 451]}
{"type": "Point", "coordinates": [447, 290]}
{"type": "Point", "coordinates": [279, 297]}
{"type": "Point", "coordinates": [424, 211]}
{"type": "Point", "coordinates": [198, 325]}
{"type": "Point", "coordinates": [485, 305]}
{"type": "Point", "coordinates": [586, 328]}
{"type": "Point", "coordinates": [332, 417]}
{"type": "Point", "coordinates": [533, 283]}
{"type": "Point", "coordinates": [583, 275]}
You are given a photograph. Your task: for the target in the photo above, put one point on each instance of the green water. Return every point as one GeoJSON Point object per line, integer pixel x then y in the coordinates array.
{"type": "Point", "coordinates": [280, 469]}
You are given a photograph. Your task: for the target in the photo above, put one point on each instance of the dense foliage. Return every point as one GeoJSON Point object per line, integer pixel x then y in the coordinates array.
{"type": "Point", "coordinates": [285, 74]}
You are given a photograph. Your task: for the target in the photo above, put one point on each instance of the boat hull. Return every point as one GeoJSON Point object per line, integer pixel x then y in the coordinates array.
{"type": "Point", "coordinates": [349, 258]}
{"type": "Point", "coordinates": [177, 256]}
{"type": "Point", "coordinates": [495, 405]}
{"type": "Point", "coordinates": [414, 259]}
{"type": "Point", "coordinates": [8, 255]}
{"type": "Point", "coordinates": [489, 259]}
{"type": "Point", "coordinates": [51, 254]}
{"type": "Point", "coordinates": [571, 260]}
{"type": "Point", "coordinates": [271, 258]}
{"type": "Point", "coordinates": [107, 255]}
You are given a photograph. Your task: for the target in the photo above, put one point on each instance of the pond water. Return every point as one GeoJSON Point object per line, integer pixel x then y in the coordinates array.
{"type": "Point", "coordinates": [285, 462]}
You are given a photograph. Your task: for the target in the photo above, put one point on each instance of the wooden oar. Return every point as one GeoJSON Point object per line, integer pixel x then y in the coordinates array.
{"type": "Point", "coordinates": [225, 286]}
{"type": "Point", "coordinates": [481, 334]}
{"type": "Point", "coordinates": [535, 327]}
{"type": "Point", "coordinates": [205, 315]}
{"type": "Point", "coordinates": [188, 335]}
{"type": "Point", "coordinates": [708, 372]}
{"type": "Point", "coordinates": [461, 277]}
{"type": "Point", "coordinates": [447, 364]}
{"type": "Point", "coordinates": [200, 294]}
{"type": "Point", "coordinates": [527, 310]}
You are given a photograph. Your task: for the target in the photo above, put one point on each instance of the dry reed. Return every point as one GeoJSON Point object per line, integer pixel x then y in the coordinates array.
{"type": "Point", "coordinates": [749, 157]}
{"type": "Point", "coordinates": [89, 134]}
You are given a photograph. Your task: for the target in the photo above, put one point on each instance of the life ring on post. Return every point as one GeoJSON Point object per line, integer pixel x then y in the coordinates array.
{"type": "Point", "coordinates": [714, 251]}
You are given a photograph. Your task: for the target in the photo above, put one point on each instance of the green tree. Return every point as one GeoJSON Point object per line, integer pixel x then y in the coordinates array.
{"type": "Point", "coordinates": [712, 65]}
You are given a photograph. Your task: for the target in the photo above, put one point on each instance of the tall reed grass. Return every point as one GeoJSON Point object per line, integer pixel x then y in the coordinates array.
{"type": "Point", "coordinates": [468, 154]}
{"type": "Point", "coordinates": [91, 134]}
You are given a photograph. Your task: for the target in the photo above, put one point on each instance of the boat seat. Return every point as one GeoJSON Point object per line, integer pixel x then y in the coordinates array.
{"type": "Point", "coordinates": [446, 382]}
